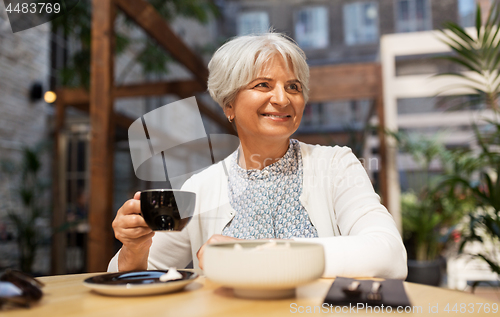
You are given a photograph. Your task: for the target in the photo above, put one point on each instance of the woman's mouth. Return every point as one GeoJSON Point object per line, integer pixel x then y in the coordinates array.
{"type": "Point", "coordinates": [276, 116]}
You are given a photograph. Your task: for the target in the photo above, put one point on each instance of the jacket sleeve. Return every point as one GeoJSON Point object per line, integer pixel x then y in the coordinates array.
{"type": "Point", "coordinates": [169, 249]}
{"type": "Point", "coordinates": [370, 244]}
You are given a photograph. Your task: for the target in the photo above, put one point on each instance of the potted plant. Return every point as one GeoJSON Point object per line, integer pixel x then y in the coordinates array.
{"type": "Point", "coordinates": [28, 207]}
{"type": "Point", "coordinates": [481, 182]}
{"type": "Point", "coordinates": [480, 55]}
{"type": "Point", "coordinates": [430, 213]}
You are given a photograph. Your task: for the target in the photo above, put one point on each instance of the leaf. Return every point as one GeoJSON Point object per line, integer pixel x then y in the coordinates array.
{"type": "Point", "coordinates": [493, 266]}
{"type": "Point", "coordinates": [478, 20]}
{"type": "Point", "coordinates": [458, 31]}
{"type": "Point", "coordinates": [461, 76]}
{"type": "Point", "coordinates": [462, 62]}
{"type": "Point", "coordinates": [470, 56]}
{"type": "Point", "coordinates": [154, 59]}
{"type": "Point", "coordinates": [122, 42]}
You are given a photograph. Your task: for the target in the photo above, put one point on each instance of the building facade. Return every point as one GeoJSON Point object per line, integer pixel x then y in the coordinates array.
{"type": "Point", "coordinates": [341, 31]}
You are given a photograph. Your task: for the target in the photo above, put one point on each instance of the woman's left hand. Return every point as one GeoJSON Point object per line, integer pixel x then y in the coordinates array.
{"type": "Point", "coordinates": [213, 239]}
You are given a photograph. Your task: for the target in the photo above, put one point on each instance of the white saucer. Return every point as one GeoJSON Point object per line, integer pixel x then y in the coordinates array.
{"type": "Point", "coordinates": [137, 283]}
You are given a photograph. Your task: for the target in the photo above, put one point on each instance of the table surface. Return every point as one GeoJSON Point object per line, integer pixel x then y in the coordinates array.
{"type": "Point", "coordinates": [65, 295]}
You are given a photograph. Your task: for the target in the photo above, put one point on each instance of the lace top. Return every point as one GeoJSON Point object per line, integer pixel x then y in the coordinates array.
{"type": "Point", "coordinates": [267, 201]}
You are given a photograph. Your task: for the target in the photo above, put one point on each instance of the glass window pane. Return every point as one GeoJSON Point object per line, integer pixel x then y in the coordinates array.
{"type": "Point", "coordinates": [253, 22]}
{"type": "Point", "coordinates": [81, 156]}
{"type": "Point", "coordinates": [311, 27]}
{"type": "Point", "coordinates": [369, 14]}
{"type": "Point", "coordinates": [413, 15]}
{"type": "Point", "coordinates": [360, 23]}
{"type": "Point", "coordinates": [420, 9]}
{"type": "Point", "coordinates": [466, 12]}
{"type": "Point", "coordinates": [350, 24]}
{"type": "Point", "coordinates": [404, 10]}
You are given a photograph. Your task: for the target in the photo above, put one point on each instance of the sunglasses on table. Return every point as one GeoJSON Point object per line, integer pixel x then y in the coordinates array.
{"type": "Point", "coordinates": [19, 289]}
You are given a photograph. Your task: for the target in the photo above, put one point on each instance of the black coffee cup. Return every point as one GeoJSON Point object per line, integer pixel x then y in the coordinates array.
{"type": "Point", "coordinates": [167, 209]}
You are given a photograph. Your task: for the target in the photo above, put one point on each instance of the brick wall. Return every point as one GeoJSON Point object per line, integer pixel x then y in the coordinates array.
{"type": "Point", "coordinates": [24, 59]}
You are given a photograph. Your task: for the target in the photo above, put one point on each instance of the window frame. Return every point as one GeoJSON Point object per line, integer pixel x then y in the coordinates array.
{"type": "Point", "coordinates": [260, 12]}
{"type": "Point", "coordinates": [326, 32]}
{"type": "Point", "coordinates": [461, 19]}
{"type": "Point", "coordinates": [413, 22]}
{"type": "Point", "coordinates": [363, 27]}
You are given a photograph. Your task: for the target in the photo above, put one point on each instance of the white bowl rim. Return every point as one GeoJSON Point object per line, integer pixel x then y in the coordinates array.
{"type": "Point", "coordinates": [264, 241]}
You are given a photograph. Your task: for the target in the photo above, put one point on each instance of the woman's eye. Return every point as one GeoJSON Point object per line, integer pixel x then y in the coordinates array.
{"type": "Point", "coordinates": [263, 85]}
{"type": "Point", "coordinates": [295, 87]}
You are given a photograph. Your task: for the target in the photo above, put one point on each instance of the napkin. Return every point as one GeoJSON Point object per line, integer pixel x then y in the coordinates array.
{"type": "Point", "coordinates": [392, 291]}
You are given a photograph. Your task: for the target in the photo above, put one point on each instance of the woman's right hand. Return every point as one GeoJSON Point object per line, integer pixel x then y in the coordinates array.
{"type": "Point", "coordinates": [131, 229]}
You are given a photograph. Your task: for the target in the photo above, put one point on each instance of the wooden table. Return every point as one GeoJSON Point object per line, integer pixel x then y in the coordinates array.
{"type": "Point", "coordinates": [66, 296]}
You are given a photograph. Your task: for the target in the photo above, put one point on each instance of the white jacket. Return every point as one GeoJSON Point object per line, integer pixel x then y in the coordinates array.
{"type": "Point", "coordinates": [359, 235]}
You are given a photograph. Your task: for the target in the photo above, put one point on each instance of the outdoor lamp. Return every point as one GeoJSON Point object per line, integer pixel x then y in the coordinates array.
{"type": "Point", "coordinates": [50, 97]}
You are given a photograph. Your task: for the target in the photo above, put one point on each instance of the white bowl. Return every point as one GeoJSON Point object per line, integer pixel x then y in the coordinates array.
{"type": "Point", "coordinates": [263, 273]}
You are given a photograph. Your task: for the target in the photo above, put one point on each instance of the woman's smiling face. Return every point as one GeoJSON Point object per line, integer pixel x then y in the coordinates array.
{"type": "Point", "coordinates": [270, 107]}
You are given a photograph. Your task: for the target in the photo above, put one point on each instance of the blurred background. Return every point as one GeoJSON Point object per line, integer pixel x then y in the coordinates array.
{"type": "Point", "coordinates": [70, 89]}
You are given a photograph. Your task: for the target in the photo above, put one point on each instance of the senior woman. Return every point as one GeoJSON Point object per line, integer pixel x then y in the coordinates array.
{"type": "Point", "coordinates": [272, 186]}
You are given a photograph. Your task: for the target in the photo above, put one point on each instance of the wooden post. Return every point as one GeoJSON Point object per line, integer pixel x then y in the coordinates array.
{"type": "Point", "coordinates": [100, 239]}
{"type": "Point", "coordinates": [379, 99]}
{"type": "Point", "coordinates": [58, 250]}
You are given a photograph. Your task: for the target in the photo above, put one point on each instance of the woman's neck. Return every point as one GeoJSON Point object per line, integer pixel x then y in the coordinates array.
{"type": "Point", "coordinates": [257, 155]}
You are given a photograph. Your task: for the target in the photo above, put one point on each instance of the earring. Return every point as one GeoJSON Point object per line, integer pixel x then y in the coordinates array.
{"type": "Point", "coordinates": [229, 119]}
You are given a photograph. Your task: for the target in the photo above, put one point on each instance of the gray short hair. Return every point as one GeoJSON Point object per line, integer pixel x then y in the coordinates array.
{"type": "Point", "coordinates": [238, 62]}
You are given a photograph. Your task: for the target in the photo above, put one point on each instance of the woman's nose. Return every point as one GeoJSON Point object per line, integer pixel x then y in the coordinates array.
{"type": "Point", "coordinates": [279, 96]}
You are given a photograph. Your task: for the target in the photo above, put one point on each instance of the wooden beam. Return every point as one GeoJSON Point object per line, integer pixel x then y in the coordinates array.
{"type": "Point", "coordinates": [119, 119]}
{"type": "Point", "coordinates": [79, 98]}
{"type": "Point", "coordinates": [100, 238]}
{"type": "Point", "coordinates": [58, 239]}
{"type": "Point", "coordinates": [74, 96]}
{"type": "Point", "coordinates": [226, 125]}
{"type": "Point", "coordinates": [344, 82]}
{"type": "Point", "coordinates": [146, 16]}
{"type": "Point", "coordinates": [382, 149]}
{"type": "Point", "coordinates": [186, 87]}
{"type": "Point", "coordinates": [211, 114]}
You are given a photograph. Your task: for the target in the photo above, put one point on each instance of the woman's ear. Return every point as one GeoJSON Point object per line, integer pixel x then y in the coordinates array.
{"type": "Point", "coordinates": [229, 112]}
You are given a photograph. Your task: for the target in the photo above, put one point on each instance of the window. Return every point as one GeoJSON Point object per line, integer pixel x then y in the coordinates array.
{"type": "Point", "coordinates": [313, 115]}
{"type": "Point", "coordinates": [311, 27]}
{"type": "Point", "coordinates": [253, 22]}
{"type": "Point", "coordinates": [335, 115]}
{"type": "Point", "coordinates": [413, 15]}
{"type": "Point", "coordinates": [360, 23]}
{"type": "Point", "coordinates": [466, 12]}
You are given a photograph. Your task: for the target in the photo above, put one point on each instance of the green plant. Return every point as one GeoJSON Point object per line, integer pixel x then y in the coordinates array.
{"type": "Point", "coordinates": [480, 55]}
{"type": "Point", "coordinates": [419, 226]}
{"type": "Point", "coordinates": [29, 205]}
{"type": "Point", "coordinates": [430, 213]}
{"type": "Point", "coordinates": [153, 60]}
{"type": "Point", "coordinates": [480, 178]}
{"type": "Point", "coordinates": [482, 183]}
